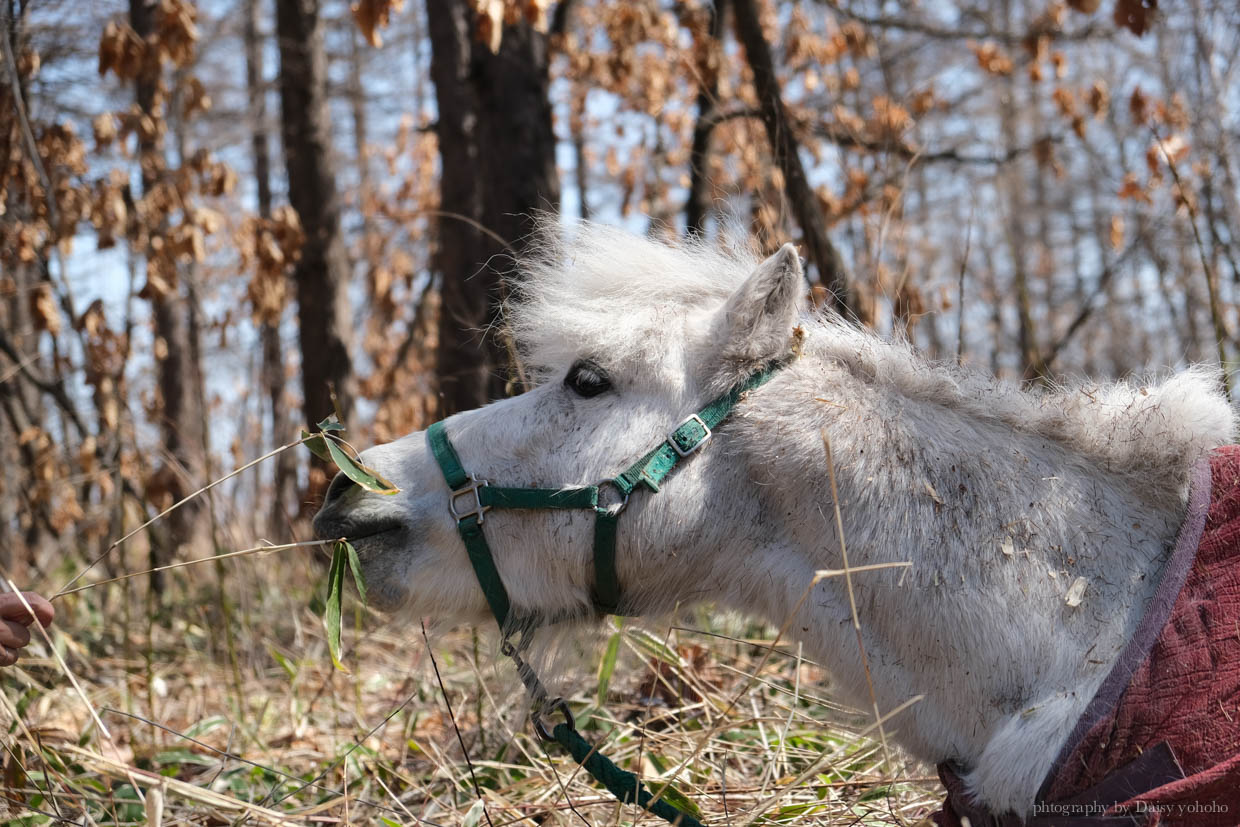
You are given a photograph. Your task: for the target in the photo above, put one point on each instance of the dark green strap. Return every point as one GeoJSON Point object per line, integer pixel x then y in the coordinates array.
{"type": "Point", "coordinates": [652, 468]}
{"type": "Point", "coordinates": [606, 581]}
{"type": "Point", "coordinates": [623, 784]}
{"type": "Point", "coordinates": [484, 568]}
{"type": "Point", "coordinates": [445, 455]}
{"type": "Point", "coordinates": [471, 532]}
{"type": "Point", "coordinates": [499, 497]}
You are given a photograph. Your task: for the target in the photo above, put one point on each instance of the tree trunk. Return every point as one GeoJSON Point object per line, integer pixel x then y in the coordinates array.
{"type": "Point", "coordinates": [698, 205]}
{"type": "Point", "coordinates": [272, 371]}
{"type": "Point", "coordinates": [498, 154]}
{"type": "Point", "coordinates": [322, 273]}
{"type": "Point", "coordinates": [178, 369]}
{"type": "Point", "coordinates": [822, 254]}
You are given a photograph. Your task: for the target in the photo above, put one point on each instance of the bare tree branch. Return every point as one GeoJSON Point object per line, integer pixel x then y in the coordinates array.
{"type": "Point", "coordinates": [55, 389]}
{"type": "Point", "coordinates": [907, 24]}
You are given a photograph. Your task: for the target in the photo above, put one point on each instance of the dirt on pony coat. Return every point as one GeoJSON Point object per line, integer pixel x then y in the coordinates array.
{"type": "Point", "coordinates": [1160, 742]}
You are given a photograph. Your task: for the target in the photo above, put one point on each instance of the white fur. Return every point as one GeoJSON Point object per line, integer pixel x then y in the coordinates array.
{"type": "Point", "coordinates": [999, 497]}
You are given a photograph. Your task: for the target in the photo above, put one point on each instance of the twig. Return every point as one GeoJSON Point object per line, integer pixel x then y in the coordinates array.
{"type": "Point", "coordinates": [958, 33]}
{"type": "Point", "coordinates": [1216, 317]}
{"type": "Point", "coordinates": [1087, 308]}
{"type": "Point", "coordinates": [60, 661]}
{"type": "Point", "coordinates": [27, 133]}
{"type": "Point", "coordinates": [54, 389]}
{"type": "Point", "coordinates": [852, 598]}
{"type": "Point", "coordinates": [785, 150]}
{"type": "Point", "coordinates": [64, 589]}
{"type": "Point", "coordinates": [241, 553]}
{"type": "Point", "coordinates": [460, 740]}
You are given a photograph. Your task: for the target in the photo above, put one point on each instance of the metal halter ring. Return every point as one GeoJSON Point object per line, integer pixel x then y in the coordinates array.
{"type": "Point", "coordinates": [558, 705]}
{"type": "Point", "coordinates": [615, 508]}
{"type": "Point", "coordinates": [478, 509]}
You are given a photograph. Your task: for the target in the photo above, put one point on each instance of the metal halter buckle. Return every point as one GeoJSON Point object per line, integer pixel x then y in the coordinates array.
{"type": "Point", "coordinates": [479, 509]}
{"type": "Point", "coordinates": [671, 437]}
{"type": "Point", "coordinates": [558, 705]}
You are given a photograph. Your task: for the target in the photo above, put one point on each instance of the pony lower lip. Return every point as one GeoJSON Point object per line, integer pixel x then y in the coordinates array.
{"type": "Point", "coordinates": [380, 530]}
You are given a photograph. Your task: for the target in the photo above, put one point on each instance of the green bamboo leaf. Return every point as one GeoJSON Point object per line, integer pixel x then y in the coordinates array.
{"type": "Point", "coordinates": [474, 815]}
{"type": "Point", "coordinates": [608, 666]}
{"type": "Point", "coordinates": [355, 566]}
{"type": "Point", "coordinates": [679, 800]}
{"type": "Point", "coordinates": [654, 647]}
{"type": "Point", "coordinates": [331, 614]}
{"type": "Point", "coordinates": [331, 424]}
{"type": "Point", "coordinates": [317, 446]}
{"type": "Point", "coordinates": [288, 666]}
{"type": "Point", "coordinates": [360, 474]}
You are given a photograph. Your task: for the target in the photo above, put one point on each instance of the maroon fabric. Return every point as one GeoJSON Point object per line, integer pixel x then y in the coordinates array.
{"type": "Point", "coordinates": [1160, 744]}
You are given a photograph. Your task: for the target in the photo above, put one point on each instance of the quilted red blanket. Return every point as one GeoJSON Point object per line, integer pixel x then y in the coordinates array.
{"type": "Point", "coordinates": [1160, 742]}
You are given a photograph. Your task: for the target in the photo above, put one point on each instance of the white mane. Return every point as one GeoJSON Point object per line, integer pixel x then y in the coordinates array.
{"type": "Point", "coordinates": [603, 291]}
{"type": "Point", "coordinates": [1150, 432]}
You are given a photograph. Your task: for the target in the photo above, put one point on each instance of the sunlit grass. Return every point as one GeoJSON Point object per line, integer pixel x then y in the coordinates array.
{"type": "Point", "coordinates": [272, 733]}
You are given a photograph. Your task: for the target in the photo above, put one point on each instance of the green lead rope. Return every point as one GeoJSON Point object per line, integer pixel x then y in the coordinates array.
{"type": "Point", "coordinates": [471, 498]}
{"type": "Point", "coordinates": [624, 785]}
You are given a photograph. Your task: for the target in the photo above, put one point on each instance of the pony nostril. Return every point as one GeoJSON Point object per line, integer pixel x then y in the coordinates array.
{"type": "Point", "coordinates": [340, 486]}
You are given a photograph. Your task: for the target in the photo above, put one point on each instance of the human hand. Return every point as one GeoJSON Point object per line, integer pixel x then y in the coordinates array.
{"type": "Point", "coordinates": [15, 620]}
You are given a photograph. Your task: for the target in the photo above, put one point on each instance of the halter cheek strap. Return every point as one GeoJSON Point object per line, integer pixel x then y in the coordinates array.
{"type": "Point", "coordinates": [472, 498]}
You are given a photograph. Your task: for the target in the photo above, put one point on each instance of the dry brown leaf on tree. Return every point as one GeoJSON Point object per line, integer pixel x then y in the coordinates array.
{"type": "Point", "coordinates": [43, 311]}
{"type": "Point", "coordinates": [493, 15]}
{"type": "Point", "coordinates": [1135, 15]}
{"type": "Point", "coordinates": [372, 15]}
{"type": "Point", "coordinates": [490, 24]}
{"type": "Point", "coordinates": [120, 51]}
{"type": "Point", "coordinates": [1085, 6]}
{"type": "Point", "coordinates": [992, 59]}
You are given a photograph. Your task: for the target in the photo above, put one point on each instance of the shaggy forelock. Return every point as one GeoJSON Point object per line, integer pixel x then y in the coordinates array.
{"type": "Point", "coordinates": [605, 293]}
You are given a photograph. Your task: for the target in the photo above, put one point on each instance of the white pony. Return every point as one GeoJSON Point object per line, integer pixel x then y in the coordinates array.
{"type": "Point", "coordinates": [1001, 499]}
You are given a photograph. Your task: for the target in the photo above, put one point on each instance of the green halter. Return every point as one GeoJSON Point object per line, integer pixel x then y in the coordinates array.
{"type": "Point", "coordinates": [471, 498]}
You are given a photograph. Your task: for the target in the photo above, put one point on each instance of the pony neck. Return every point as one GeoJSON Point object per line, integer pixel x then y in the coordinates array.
{"type": "Point", "coordinates": [999, 524]}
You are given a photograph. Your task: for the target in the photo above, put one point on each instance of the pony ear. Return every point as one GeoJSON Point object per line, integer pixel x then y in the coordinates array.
{"type": "Point", "coordinates": [759, 317]}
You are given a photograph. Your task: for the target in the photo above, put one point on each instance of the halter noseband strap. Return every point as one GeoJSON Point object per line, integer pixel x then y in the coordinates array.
{"type": "Point", "coordinates": [471, 497]}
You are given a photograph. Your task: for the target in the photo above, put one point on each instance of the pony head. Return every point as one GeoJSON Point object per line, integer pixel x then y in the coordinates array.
{"type": "Point", "coordinates": [624, 337]}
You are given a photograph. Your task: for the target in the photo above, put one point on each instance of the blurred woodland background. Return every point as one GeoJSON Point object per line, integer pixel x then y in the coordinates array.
{"type": "Point", "coordinates": [222, 221]}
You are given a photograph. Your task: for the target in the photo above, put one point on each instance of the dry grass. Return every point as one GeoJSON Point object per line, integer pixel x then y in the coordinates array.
{"type": "Point", "coordinates": [267, 732]}
{"type": "Point", "coordinates": [218, 705]}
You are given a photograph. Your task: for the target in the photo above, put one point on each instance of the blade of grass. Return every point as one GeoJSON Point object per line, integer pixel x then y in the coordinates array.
{"type": "Point", "coordinates": [331, 613]}
{"type": "Point", "coordinates": [355, 567]}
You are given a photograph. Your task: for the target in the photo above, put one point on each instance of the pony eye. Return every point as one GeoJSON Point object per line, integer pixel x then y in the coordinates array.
{"type": "Point", "coordinates": [585, 378]}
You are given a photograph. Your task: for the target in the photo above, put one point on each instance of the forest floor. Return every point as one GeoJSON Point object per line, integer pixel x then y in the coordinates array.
{"type": "Point", "coordinates": [223, 708]}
